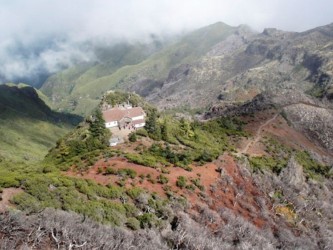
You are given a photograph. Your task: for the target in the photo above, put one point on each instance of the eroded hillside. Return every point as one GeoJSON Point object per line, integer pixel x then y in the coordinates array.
{"type": "Point", "coordinates": [213, 64]}
{"type": "Point", "coordinates": [249, 176]}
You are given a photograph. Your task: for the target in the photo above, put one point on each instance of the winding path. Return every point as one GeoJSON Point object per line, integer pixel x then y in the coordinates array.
{"type": "Point", "coordinates": [260, 129]}
{"type": "Point", "coordinates": [258, 134]}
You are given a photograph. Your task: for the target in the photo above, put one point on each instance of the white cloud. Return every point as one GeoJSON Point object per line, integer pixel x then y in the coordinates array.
{"type": "Point", "coordinates": [52, 29]}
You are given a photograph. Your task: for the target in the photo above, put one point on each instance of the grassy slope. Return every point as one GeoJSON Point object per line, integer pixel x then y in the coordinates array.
{"type": "Point", "coordinates": [28, 127]}
{"type": "Point", "coordinates": [122, 73]}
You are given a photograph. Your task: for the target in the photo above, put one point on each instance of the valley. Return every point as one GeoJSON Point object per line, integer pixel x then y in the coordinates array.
{"type": "Point", "coordinates": [234, 149]}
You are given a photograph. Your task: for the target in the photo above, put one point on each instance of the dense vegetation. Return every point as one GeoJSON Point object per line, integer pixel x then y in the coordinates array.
{"type": "Point", "coordinates": [279, 155]}
{"type": "Point", "coordinates": [45, 188]}
{"type": "Point", "coordinates": [181, 142]}
{"type": "Point", "coordinates": [170, 141]}
{"type": "Point", "coordinates": [28, 127]}
{"type": "Point", "coordinates": [86, 141]}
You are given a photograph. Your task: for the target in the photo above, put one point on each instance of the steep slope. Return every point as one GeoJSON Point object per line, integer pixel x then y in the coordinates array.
{"type": "Point", "coordinates": [74, 88]}
{"type": "Point", "coordinates": [245, 64]}
{"type": "Point", "coordinates": [141, 76]}
{"type": "Point", "coordinates": [217, 63]}
{"type": "Point", "coordinates": [265, 186]}
{"type": "Point", "coordinates": [28, 127]}
{"type": "Point", "coordinates": [306, 114]}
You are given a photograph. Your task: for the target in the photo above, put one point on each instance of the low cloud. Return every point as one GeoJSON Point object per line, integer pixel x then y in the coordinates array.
{"type": "Point", "coordinates": [40, 37]}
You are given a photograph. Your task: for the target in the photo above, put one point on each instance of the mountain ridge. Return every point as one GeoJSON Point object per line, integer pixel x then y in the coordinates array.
{"type": "Point", "coordinates": [219, 62]}
{"type": "Point", "coordinates": [29, 128]}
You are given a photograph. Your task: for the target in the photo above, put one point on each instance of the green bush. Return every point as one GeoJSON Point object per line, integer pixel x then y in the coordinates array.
{"type": "Point", "coordinates": [132, 137]}
{"type": "Point", "coordinates": [147, 220]}
{"type": "Point", "coordinates": [110, 170]}
{"type": "Point", "coordinates": [8, 179]}
{"type": "Point", "coordinates": [133, 223]}
{"type": "Point", "coordinates": [127, 172]}
{"type": "Point", "coordinates": [27, 202]}
{"type": "Point", "coordinates": [181, 181]}
{"type": "Point", "coordinates": [163, 179]}
{"type": "Point", "coordinates": [197, 183]}
{"type": "Point", "coordinates": [260, 163]}
{"type": "Point", "coordinates": [116, 192]}
{"type": "Point", "coordinates": [142, 132]}
{"type": "Point", "coordinates": [190, 187]}
{"type": "Point", "coordinates": [311, 167]}
{"type": "Point", "coordinates": [145, 160]}
{"type": "Point", "coordinates": [134, 192]}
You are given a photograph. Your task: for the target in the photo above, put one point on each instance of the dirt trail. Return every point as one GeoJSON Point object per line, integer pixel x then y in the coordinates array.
{"type": "Point", "coordinates": [260, 129]}
{"type": "Point", "coordinates": [258, 134]}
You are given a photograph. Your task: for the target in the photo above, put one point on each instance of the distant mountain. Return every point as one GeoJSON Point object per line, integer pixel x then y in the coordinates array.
{"type": "Point", "coordinates": [28, 127]}
{"type": "Point", "coordinates": [78, 88]}
{"type": "Point", "coordinates": [254, 172]}
{"type": "Point", "coordinates": [215, 63]}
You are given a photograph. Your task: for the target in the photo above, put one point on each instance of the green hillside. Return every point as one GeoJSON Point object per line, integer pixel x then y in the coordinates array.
{"type": "Point", "coordinates": [28, 127]}
{"type": "Point", "coordinates": [124, 66]}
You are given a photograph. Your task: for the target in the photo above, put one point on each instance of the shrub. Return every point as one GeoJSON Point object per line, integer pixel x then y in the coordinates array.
{"type": "Point", "coordinates": [196, 182]}
{"type": "Point", "coordinates": [163, 179]}
{"type": "Point", "coordinates": [165, 171]}
{"type": "Point", "coordinates": [311, 167]}
{"type": "Point", "coordinates": [134, 192]}
{"type": "Point", "coordinates": [142, 132]}
{"type": "Point", "coordinates": [127, 172]}
{"type": "Point", "coordinates": [115, 192]}
{"type": "Point", "coordinates": [145, 160]}
{"type": "Point", "coordinates": [8, 180]}
{"type": "Point", "coordinates": [132, 137]}
{"type": "Point", "coordinates": [27, 202]}
{"type": "Point", "coordinates": [259, 163]}
{"type": "Point", "coordinates": [133, 223]}
{"type": "Point", "coordinates": [190, 187]}
{"type": "Point", "coordinates": [181, 181]}
{"type": "Point", "coordinates": [147, 220]}
{"type": "Point", "coordinates": [110, 170]}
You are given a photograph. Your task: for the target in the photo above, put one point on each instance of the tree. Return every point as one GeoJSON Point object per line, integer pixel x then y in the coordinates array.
{"type": "Point", "coordinates": [97, 127]}
{"type": "Point", "coordinates": [185, 126]}
{"type": "Point", "coordinates": [165, 131]}
{"type": "Point", "coordinates": [132, 137]}
{"type": "Point", "coordinates": [152, 126]}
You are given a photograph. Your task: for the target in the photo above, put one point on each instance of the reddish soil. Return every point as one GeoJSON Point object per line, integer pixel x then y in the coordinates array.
{"type": "Point", "coordinates": [270, 124]}
{"type": "Point", "coordinates": [6, 195]}
{"type": "Point", "coordinates": [219, 191]}
{"type": "Point", "coordinates": [228, 188]}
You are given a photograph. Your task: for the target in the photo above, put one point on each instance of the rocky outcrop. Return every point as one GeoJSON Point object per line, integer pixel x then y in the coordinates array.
{"type": "Point", "coordinates": [245, 64]}
{"type": "Point", "coordinates": [316, 122]}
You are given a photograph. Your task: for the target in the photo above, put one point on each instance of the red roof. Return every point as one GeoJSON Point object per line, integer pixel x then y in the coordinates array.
{"type": "Point", "coordinates": [116, 114]}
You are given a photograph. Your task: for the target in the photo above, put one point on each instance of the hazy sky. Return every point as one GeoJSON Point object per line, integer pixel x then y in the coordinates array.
{"type": "Point", "coordinates": [28, 26]}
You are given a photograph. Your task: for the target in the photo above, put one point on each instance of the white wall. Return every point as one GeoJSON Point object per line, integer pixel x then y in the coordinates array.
{"type": "Point", "coordinates": [111, 124]}
{"type": "Point", "coordinates": [141, 117]}
{"type": "Point", "coordinates": [140, 125]}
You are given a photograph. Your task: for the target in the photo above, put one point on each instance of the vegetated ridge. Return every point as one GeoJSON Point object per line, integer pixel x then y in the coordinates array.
{"type": "Point", "coordinates": [217, 63]}
{"type": "Point", "coordinates": [247, 177]}
{"type": "Point", "coordinates": [28, 127]}
{"type": "Point", "coordinates": [253, 174]}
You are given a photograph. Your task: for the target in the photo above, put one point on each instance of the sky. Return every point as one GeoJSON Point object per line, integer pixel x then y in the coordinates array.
{"type": "Point", "coordinates": [40, 37]}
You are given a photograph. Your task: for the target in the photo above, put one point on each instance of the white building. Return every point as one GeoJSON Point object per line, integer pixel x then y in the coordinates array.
{"type": "Point", "coordinates": [124, 116]}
